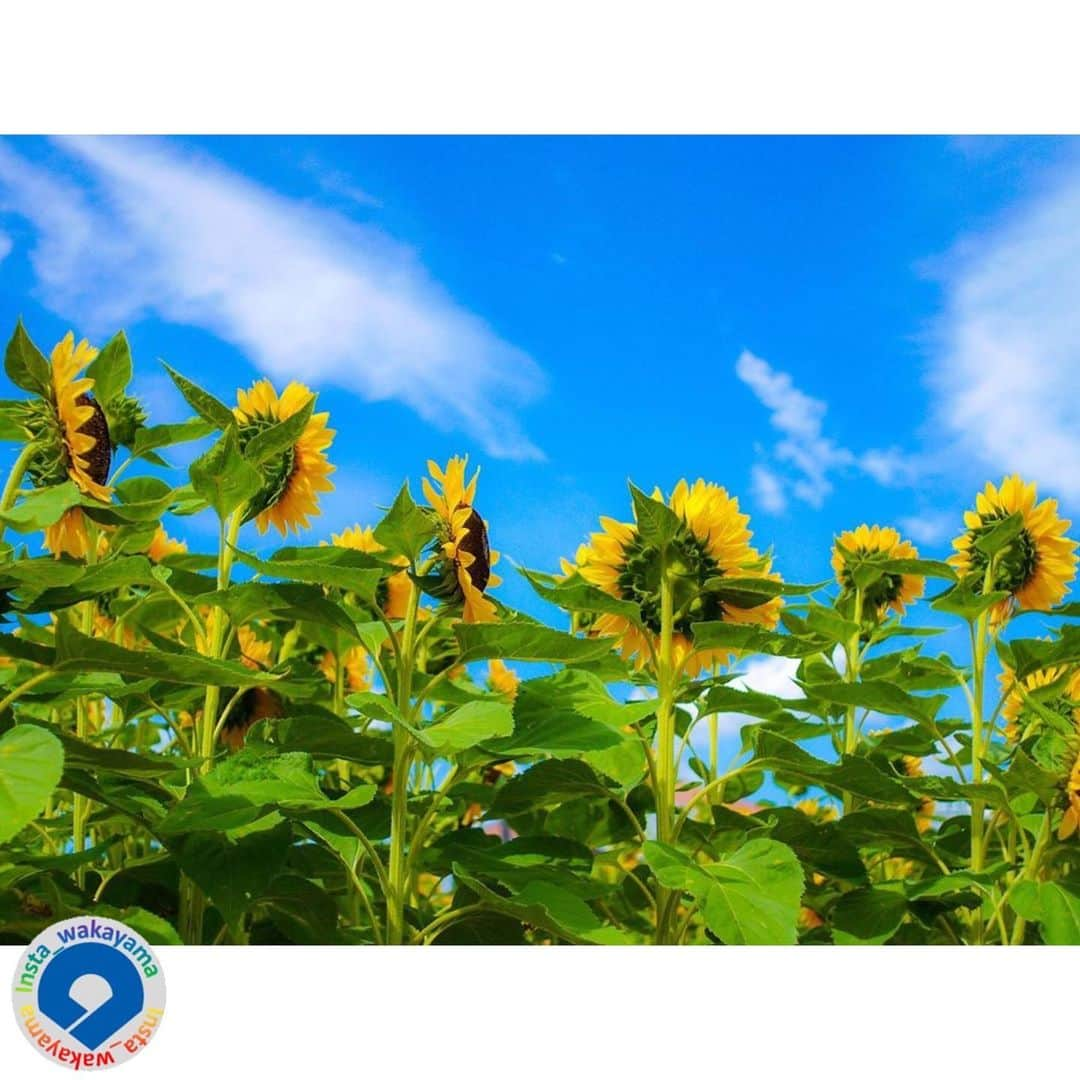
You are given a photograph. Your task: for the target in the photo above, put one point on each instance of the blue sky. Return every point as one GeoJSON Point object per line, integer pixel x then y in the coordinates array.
{"type": "Point", "coordinates": [836, 329]}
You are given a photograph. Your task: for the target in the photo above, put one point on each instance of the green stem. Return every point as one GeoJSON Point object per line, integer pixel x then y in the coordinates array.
{"type": "Point", "coordinates": [399, 802]}
{"type": "Point", "coordinates": [665, 748]}
{"type": "Point", "coordinates": [851, 675]}
{"type": "Point", "coordinates": [978, 679]}
{"type": "Point", "coordinates": [18, 471]}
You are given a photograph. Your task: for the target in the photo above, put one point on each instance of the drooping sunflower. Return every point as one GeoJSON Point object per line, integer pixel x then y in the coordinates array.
{"type": "Point", "coordinates": [1015, 708]}
{"type": "Point", "coordinates": [393, 593]}
{"type": "Point", "coordinates": [502, 679]}
{"type": "Point", "coordinates": [257, 702]}
{"type": "Point", "coordinates": [713, 542]}
{"type": "Point", "coordinates": [1035, 567]}
{"type": "Point", "coordinates": [73, 434]}
{"type": "Point", "coordinates": [357, 668]}
{"type": "Point", "coordinates": [876, 543]}
{"type": "Point", "coordinates": [163, 545]}
{"type": "Point", "coordinates": [292, 480]}
{"type": "Point", "coordinates": [464, 557]}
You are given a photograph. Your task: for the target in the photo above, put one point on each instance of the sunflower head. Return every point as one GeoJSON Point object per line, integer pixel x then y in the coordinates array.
{"type": "Point", "coordinates": [1034, 567]}
{"type": "Point", "coordinates": [876, 544]}
{"type": "Point", "coordinates": [1057, 691]}
{"type": "Point", "coordinates": [713, 541]}
{"type": "Point", "coordinates": [463, 557]}
{"type": "Point", "coordinates": [292, 480]}
{"type": "Point", "coordinates": [392, 594]}
{"type": "Point", "coordinates": [502, 680]}
{"type": "Point", "coordinates": [254, 653]}
{"type": "Point", "coordinates": [357, 668]}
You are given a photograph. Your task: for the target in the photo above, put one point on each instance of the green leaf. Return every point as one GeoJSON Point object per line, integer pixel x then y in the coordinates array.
{"type": "Point", "coordinates": [1001, 534]}
{"type": "Point", "coordinates": [77, 652]}
{"type": "Point", "coordinates": [878, 695]}
{"type": "Point", "coordinates": [111, 368]}
{"type": "Point", "coordinates": [1054, 905]}
{"type": "Point", "coordinates": [276, 439]}
{"type": "Point", "coordinates": [31, 762]}
{"type": "Point", "coordinates": [467, 725]}
{"type": "Point", "coordinates": [332, 737]}
{"type": "Point", "coordinates": [526, 641]}
{"type": "Point", "coordinates": [406, 529]}
{"type": "Point", "coordinates": [155, 929]}
{"type": "Point", "coordinates": [852, 774]}
{"type": "Point", "coordinates": [214, 412]}
{"type": "Point", "coordinates": [1032, 654]}
{"type": "Point", "coordinates": [41, 508]}
{"type": "Point", "coordinates": [25, 365]}
{"type": "Point", "coordinates": [579, 595]}
{"type": "Point", "coordinates": [547, 783]}
{"type": "Point", "coordinates": [149, 439]}
{"type": "Point", "coordinates": [755, 895]}
{"type": "Point", "coordinates": [964, 601]}
{"type": "Point", "coordinates": [657, 523]}
{"type": "Point", "coordinates": [298, 603]}
{"type": "Point", "coordinates": [223, 477]}
{"type": "Point", "coordinates": [742, 637]}
{"type": "Point", "coordinates": [868, 916]}
{"type": "Point", "coordinates": [339, 568]}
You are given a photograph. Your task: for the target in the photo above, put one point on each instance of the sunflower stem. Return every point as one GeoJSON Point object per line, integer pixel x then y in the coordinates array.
{"type": "Point", "coordinates": [399, 805]}
{"type": "Point", "coordinates": [18, 471]}
{"type": "Point", "coordinates": [980, 642]}
{"type": "Point", "coordinates": [665, 748]}
{"type": "Point", "coordinates": [851, 675]}
{"type": "Point", "coordinates": [192, 899]}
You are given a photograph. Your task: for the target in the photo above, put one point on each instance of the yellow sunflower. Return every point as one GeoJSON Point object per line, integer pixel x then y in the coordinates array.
{"type": "Point", "coordinates": [466, 558]}
{"type": "Point", "coordinates": [293, 481]}
{"type": "Point", "coordinates": [254, 653]}
{"type": "Point", "coordinates": [163, 545]}
{"type": "Point", "coordinates": [1036, 566]}
{"type": "Point", "coordinates": [80, 448]}
{"type": "Point", "coordinates": [1070, 822]}
{"type": "Point", "coordinates": [394, 592]}
{"type": "Point", "coordinates": [1013, 708]}
{"type": "Point", "coordinates": [713, 542]}
{"type": "Point", "coordinates": [357, 668]}
{"type": "Point", "coordinates": [876, 543]}
{"type": "Point", "coordinates": [502, 679]}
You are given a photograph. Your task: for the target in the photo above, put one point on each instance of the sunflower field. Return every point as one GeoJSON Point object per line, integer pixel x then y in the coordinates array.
{"type": "Point", "coordinates": [351, 740]}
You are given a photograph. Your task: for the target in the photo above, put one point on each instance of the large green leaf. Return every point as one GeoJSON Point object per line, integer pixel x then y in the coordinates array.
{"type": "Point", "coordinates": [31, 762]}
{"type": "Point", "coordinates": [77, 652]}
{"type": "Point", "coordinates": [1054, 905]}
{"type": "Point", "coordinates": [579, 595]}
{"type": "Point", "coordinates": [223, 476]}
{"type": "Point", "coordinates": [879, 696]}
{"type": "Point", "coordinates": [213, 411]}
{"type": "Point", "coordinates": [406, 529]}
{"type": "Point", "coordinates": [526, 641]}
{"type": "Point", "coordinates": [25, 364]}
{"type": "Point", "coordinates": [547, 783]}
{"type": "Point", "coordinates": [340, 568]}
{"type": "Point", "coordinates": [868, 916]}
{"type": "Point", "coordinates": [467, 726]}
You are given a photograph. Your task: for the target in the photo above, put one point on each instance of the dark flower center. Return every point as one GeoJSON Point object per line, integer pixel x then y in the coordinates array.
{"type": "Point", "coordinates": [475, 542]}
{"type": "Point", "coordinates": [99, 457]}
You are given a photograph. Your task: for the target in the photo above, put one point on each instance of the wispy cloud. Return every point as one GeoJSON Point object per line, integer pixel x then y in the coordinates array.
{"type": "Point", "coordinates": [804, 457]}
{"type": "Point", "coordinates": [5, 246]}
{"type": "Point", "coordinates": [1007, 357]}
{"type": "Point", "coordinates": [138, 227]}
{"type": "Point", "coordinates": [931, 526]}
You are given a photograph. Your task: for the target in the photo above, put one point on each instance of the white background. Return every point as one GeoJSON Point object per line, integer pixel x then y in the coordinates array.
{"type": "Point", "coordinates": [475, 1012]}
{"type": "Point", "coordinates": [567, 67]}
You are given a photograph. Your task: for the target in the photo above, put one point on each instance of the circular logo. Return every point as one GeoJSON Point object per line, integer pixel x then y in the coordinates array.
{"type": "Point", "coordinates": [89, 993]}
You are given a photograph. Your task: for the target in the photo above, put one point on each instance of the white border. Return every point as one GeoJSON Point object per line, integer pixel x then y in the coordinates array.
{"type": "Point", "coordinates": [469, 1012]}
{"type": "Point", "coordinates": [577, 66]}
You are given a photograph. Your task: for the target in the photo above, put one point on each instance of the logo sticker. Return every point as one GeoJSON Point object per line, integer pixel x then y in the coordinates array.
{"type": "Point", "coordinates": [89, 993]}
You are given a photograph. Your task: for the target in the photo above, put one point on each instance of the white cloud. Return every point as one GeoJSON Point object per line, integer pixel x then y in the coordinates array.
{"type": "Point", "coordinates": [5, 246]}
{"type": "Point", "coordinates": [770, 675]}
{"type": "Point", "coordinates": [930, 527]}
{"type": "Point", "coordinates": [768, 489]}
{"type": "Point", "coordinates": [1008, 346]}
{"type": "Point", "coordinates": [149, 228]}
{"type": "Point", "coordinates": [809, 454]}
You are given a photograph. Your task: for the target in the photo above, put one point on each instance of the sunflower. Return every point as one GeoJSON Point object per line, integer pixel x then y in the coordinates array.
{"type": "Point", "coordinates": [293, 480]}
{"type": "Point", "coordinates": [1067, 703]}
{"type": "Point", "coordinates": [813, 809]}
{"type": "Point", "coordinates": [1070, 822]}
{"type": "Point", "coordinates": [713, 542]}
{"type": "Point", "coordinates": [357, 668]}
{"type": "Point", "coordinates": [465, 558]}
{"type": "Point", "coordinates": [73, 433]}
{"type": "Point", "coordinates": [875, 543]}
{"type": "Point", "coordinates": [502, 679]}
{"type": "Point", "coordinates": [163, 545]}
{"type": "Point", "coordinates": [1035, 567]}
{"type": "Point", "coordinates": [255, 704]}
{"type": "Point", "coordinates": [393, 593]}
